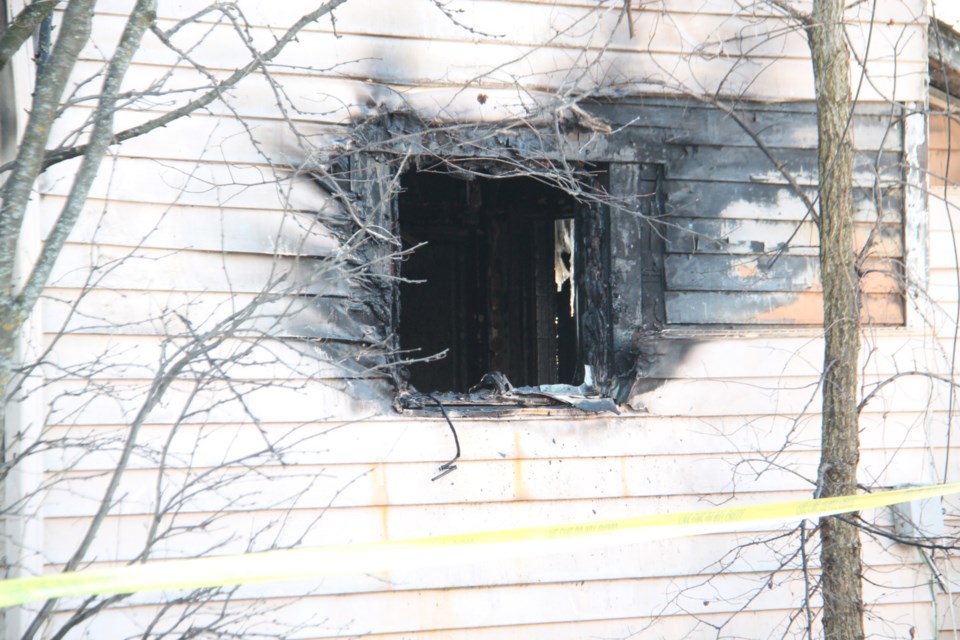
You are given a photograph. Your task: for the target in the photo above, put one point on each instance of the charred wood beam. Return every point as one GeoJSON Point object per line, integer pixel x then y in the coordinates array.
{"type": "Point", "coordinates": [595, 312]}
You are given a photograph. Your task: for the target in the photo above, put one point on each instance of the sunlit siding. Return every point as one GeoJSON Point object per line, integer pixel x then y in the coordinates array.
{"type": "Point", "coordinates": [191, 222]}
{"type": "Point", "coordinates": [750, 50]}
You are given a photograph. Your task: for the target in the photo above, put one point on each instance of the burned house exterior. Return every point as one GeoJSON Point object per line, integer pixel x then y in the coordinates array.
{"type": "Point", "coordinates": [577, 233]}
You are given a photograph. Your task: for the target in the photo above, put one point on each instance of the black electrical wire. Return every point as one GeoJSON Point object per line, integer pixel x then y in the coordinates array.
{"type": "Point", "coordinates": [447, 467]}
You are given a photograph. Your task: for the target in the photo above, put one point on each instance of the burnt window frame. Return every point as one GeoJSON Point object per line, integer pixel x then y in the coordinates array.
{"type": "Point", "coordinates": [625, 267]}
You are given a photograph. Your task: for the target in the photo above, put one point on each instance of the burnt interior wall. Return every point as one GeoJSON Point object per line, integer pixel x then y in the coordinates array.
{"type": "Point", "coordinates": [478, 281]}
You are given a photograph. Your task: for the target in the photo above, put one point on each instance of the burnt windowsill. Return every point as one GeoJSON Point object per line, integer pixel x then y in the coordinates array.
{"type": "Point", "coordinates": [523, 400]}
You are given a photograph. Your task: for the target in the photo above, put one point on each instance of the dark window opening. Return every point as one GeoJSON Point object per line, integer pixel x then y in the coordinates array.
{"type": "Point", "coordinates": [491, 282]}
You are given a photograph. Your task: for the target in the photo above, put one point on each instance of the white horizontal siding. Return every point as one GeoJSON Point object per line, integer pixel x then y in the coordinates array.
{"type": "Point", "coordinates": [943, 290]}
{"type": "Point", "coordinates": [134, 357]}
{"type": "Point", "coordinates": [308, 399]}
{"type": "Point", "coordinates": [795, 356]}
{"type": "Point", "coordinates": [428, 442]}
{"type": "Point", "coordinates": [526, 31]}
{"type": "Point", "coordinates": [199, 228]}
{"type": "Point", "coordinates": [264, 136]}
{"type": "Point", "coordinates": [412, 18]}
{"type": "Point", "coordinates": [743, 625]}
{"type": "Point", "coordinates": [479, 481]}
{"type": "Point", "coordinates": [82, 402]}
{"type": "Point", "coordinates": [196, 223]}
{"type": "Point", "coordinates": [659, 601]}
{"type": "Point", "coordinates": [211, 184]}
{"type": "Point", "coordinates": [124, 535]}
{"type": "Point", "coordinates": [112, 267]}
{"type": "Point", "coordinates": [421, 45]}
{"type": "Point", "coordinates": [178, 313]}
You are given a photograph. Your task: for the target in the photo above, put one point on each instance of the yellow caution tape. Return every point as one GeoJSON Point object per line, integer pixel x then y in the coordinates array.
{"type": "Point", "coordinates": [292, 564]}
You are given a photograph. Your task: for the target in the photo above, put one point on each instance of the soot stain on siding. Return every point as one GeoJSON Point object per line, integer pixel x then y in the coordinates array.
{"type": "Point", "coordinates": [695, 242]}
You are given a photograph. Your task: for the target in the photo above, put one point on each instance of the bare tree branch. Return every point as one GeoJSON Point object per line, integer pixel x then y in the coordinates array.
{"type": "Point", "coordinates": [141, 18]}
{"type": "Point", "coordinates": [16, 190]}
{"type": "Point", "coordinates": [22, 28]}
{"type": "Point", "coordinates": [207, 98]}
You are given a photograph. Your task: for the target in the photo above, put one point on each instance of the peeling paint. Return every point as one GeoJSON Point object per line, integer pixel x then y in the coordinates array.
{"type": "Point", "coordinates": [747, 270]}
{"type": "Point", "coordinates": [794, 309]}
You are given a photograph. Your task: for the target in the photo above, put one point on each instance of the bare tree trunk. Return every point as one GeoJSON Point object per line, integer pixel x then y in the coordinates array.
{"type": "Point", "coordinates": [840, 451]}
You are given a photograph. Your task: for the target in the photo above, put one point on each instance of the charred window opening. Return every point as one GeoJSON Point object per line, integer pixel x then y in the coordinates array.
{"type": "Point", "coordinates": [490, 283]}
{"type": "Point", "coordinates": [485, 254]}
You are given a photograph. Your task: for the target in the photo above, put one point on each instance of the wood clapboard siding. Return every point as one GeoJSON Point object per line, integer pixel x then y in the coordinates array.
{"type": "Point", "coordinates": [362, 525]}
{"type": "Point", "coordinates": [544, 472]}
{"type": "Point", "coordinates": [211, 184]}
{"type": "Point", "coordinates": [217, 139]}
{"type": "Point", "coordinates": [529, 45]}
{"type": "Point", "coordinates": [134, 312]}
{"type": "Point", "coordinates": [744, 625]}
{"type": "Point", "coordinates": [408, 505]}
{"type": "Point", "coordinates": [378, 441]}
{"type": "Point", "coordinates": [215, 272]}
{"type": "Point", "coordinates": [189, 224]}
{"type": "Point", "coordinates": [480, 481]}
{"type": "Point", "coordinates": [487, 16]}
{"type": "Point", "coordinates": [134, 357]}
{"type": "Point", "coordinates": [943, 288]}
{"type": "Point", "coordinates": [397, 606]}
{"type": "Point", "coordinates": [184, 227]}
{"type": "Point", "coordinates": [902, 11]}
{"type": "Point", "coordinates": [406, 612]}
{"type": "Point", "coordinates": [303, 400]}
{"type": "Point", "coordinates": [792, 356]}
{"type": "Point", "coordinates": [948, 613]}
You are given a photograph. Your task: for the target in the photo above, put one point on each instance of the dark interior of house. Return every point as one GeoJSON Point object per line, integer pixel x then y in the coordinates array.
{"type": "Point", "coordinates": [481, 283]}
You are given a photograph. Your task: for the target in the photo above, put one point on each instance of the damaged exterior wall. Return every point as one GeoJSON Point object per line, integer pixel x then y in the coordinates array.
{"type": "Point", "coordinates": [718, 235]}
{"type": "Point", "coordinates": [718, 373]}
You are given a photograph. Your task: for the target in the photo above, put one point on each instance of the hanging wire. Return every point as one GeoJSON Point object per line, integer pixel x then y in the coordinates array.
{"type": "Point", "coordinates": [447, 467]}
